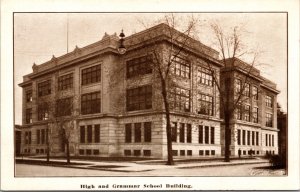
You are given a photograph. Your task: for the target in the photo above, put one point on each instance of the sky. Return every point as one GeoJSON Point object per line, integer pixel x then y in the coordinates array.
{"type": "Point", "coordinates": [38, 36]}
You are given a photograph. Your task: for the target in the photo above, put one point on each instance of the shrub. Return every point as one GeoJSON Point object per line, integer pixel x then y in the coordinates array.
{"type": "Point", "coordinates": [277, 161]}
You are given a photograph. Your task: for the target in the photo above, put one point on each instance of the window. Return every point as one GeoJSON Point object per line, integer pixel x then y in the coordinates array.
{"type": "Point", "coordinates": [147, 152]}
{"type": "Point", "coordinates": [37, 151]}
{"type": "Point", "coordinates": [244, 137]}
{"type": "Point", "coordinates": [248, 137]}
{"type": "Point", "coordinates": [269, 101]}
{"type": "Point", "coordinates": [201, 152]}
{"type": "Point", "coordinates": [213, 152]}
{"type": "Point", "coordinates": [239, 137]}
{"type": "Point", "coordinates": [182, 152]}
{"type": "Point", "coordinates": [247, 113]}
{"type": "Point", "coordinates": [205, 76]}
{"type": "Point", "coordinates": [43, 113]}
{"type": "Point", "coordinates": [180, 99]}
{"type": "Point", "coordinates": [206, 134]}
{"type": "Point", "coordinates": [200, 133]}
{"type": "Point", "coordinates": [269, 120]}
{"type": "Point", "coordinates": [136, 152]}
{"type": "Point", "coordinates": [97, 134]}
{"type": "Point", "coordinates": [270, 144]}
{"type": "Point", "coordinates": [64, 107]}
{"type": "Point", "coordinates": [139, 66]}
{"type": "Point", "coordinates": [89, 152]}
{"type": "Point", "coordinates": [91, 75]}
{"type": "Point", "coordinates": [137, 132]}
{"type": "Point", "coordinates": [127, 152]}
{"type": "Point", "coordinates": [273, 140]}
{"type": "Point", "coordinates": [189, 133]}
{"type": "Point", "coordinates": [65, 82]}
{"type": "Point", "coordinates": [255, 92]}
{"type": "Point", "coordinates": [27, 137]}
{"type": "Point", "coordinates": [247, 90]}
{"type": "Point", "coordinates": [255, 115]}
{"type": "Point", "coordinates": [28, 95]}
{"type": "Point", "coordinates": [29, 115]}
{"type": "Point", "coordinates": [239, 111]}
{"type": "Point", "coordinates": [189, 152]}
{"type": "Point", "coordinates": [38, 136]}
{"type": "Point", "coordinates": [147, 131]}
{"type": "Point", "coordinates": [139, 98]}
{"type": "Point", "coordinates": [253, 138]}
{"type": "Point", "coordinates": [128, 133]}
{"type": "Point", "coordinates": [205, 104]}
{"type": "Point", "coordinates": [266, 139]}
{"type": "Point", "coordinates": [257, 138]}
{"type": "Point", "coordinates": [90, 103]}
{"type": "Point", "coordinates": [43, 136]}
{"type": "Point", "coordinates": [181, 67]}
{"type": "Point", "coordinates": [44, 88]}
{"type": "Point", "coordinates": [96, 152]}
{"type": "Point", "coordinates": [181, 133]}
{"type": "Point", "coordinates": [212, 135]}
{"type": "Point", "coordinates": [174, 132]}
{"type": "Point", "coordinates": [82, 134]}
{"type": "Point", "coordinates": [238, 86]}
{"type": "Point", "coordinates": [81, 151]}
{"type": "Point", "coordinates": [206, 152]}
{"type": "Point", "coordinates": [89, 133]}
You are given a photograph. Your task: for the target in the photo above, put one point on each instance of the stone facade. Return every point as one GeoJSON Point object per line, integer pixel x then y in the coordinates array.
{"type": "Point", "coordinates": [262, 138]}
{"type": "Point", "coordinates": [113, 130]}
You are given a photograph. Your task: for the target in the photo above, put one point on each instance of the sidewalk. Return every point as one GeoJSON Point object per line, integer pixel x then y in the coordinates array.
{"type": "Point", "coordinates": [139, 166]}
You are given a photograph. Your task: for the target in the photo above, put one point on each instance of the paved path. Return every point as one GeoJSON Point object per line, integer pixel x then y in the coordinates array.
{"type": "Point", "coordinates": [129, 167]}
{"type": "Point", "coordinates": [24, 170]}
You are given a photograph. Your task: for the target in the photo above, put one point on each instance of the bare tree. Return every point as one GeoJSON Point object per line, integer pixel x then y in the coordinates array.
{"type": "Point", "coordinates": [164, 57]}
{"type": "Point", "coordinates": [61, 114]}
{"type": "Point", "coordinates": [232, 48]}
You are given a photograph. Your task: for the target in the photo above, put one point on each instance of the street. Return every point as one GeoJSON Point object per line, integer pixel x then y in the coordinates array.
{"type": "Point", "coordinates": [25, 170]}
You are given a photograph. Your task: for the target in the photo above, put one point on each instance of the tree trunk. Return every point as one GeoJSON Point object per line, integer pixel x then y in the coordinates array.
{"type": "Point", "coordinates": [68, 151]}
{"type": "Point", "coordinates": [170, 160]}
{"type": "Point", "coordinates": [48, 145]}
{"type": "Point", "coordinates": [227, 138]}
{"type": "Point", "coordinates": [227, 119]}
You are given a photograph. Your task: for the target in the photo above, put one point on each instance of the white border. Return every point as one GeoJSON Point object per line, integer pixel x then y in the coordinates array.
{"type": "Point", "coordinates": [8, 182]}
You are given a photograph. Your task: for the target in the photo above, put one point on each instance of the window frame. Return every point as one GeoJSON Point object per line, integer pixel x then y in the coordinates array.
{"type": "Point", "coordinates": [180, 99]}
{"type": "Point", "coordinates": [28, 95]}
{"type": "Point", "coordinates": [65, 82]}
{"type": "Point", "coordinates": [137, 132]}
{"type": "Point", "coordinates": [90, 103]}
{"type": "Point", "coordinates": [269, 101]}
{"type": "Point", "coordinates": [255, 92]}
{"type": "Point", "coordinates": [181, 67]}
{"type": "Point", "coordinates": [139, 98]}
{"type": "Point", "coordinates": [90, 75]}
{"type": "Point", "coordinates": [205, 102]}
{"type": "Point", "coordinates": [139, 66]}
{"type": "Point", "coordinates": [28, 114]}
{"type": "Point", "coordinates": [43, 111]}
{"type": "Point", "coordinates": [147, 132]}
{"type": "Point", "coordinates": [205, 76]}
{"type": "Point", "coordinates": [269, 120]}
{"type": "Point", "coordinates": [44, 88]}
